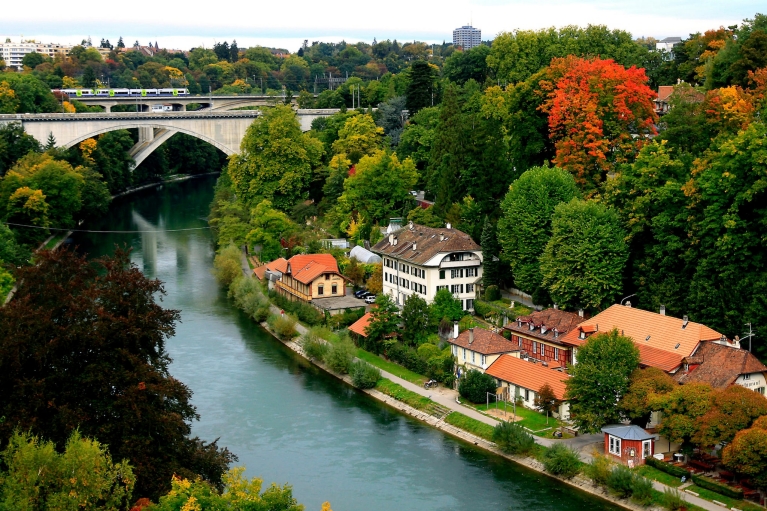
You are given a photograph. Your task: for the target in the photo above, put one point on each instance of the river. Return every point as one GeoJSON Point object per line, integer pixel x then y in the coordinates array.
{"type": "Point", "coordinates": [285, 419]}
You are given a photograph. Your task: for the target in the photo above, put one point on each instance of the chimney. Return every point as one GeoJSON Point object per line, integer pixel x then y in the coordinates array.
{"type": "Point", "coordinates": [441, 237]}
{"type": "Point", "coordinates": [395, 241]}
{"type": "Point", "coordinates": [391, 239]}
{"type": "Point", "coordinates": [410, 225]}
{"type": "Point", "coordinates": [580, 313]}
{"type": "Point", "coordinates": [414, 246]}
{"type": "Point", "coordinates": [684, 321]}
{"type": "Point", "coordinates": [662, 310]}
{"type": "Point", "coordinates": [447, 225]}
{"type": "Point", "coordinates": [471, 335]}
{"type": "Point", "coordinates": [455, 330]}
{"type": "Point", "coordinates": [556, 307]}
{"type": "Point", "coordinates": [628, 304]}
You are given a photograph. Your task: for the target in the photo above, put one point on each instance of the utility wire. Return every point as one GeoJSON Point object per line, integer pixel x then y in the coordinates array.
{"type": "Point", "coordinates": [104, 232]}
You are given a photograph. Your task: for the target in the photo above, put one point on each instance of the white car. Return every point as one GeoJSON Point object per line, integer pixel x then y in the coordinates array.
{"type": "Point", "coordinates": [370, 299]}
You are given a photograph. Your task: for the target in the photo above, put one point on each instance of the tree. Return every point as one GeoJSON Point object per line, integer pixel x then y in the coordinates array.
{"type": "Point", "coordinates": [375, 281]}
{"type": "Point", "coordinates": [268, 227]}
{"type": "Point", "coordinates": [546, 401]}
{"type": "Point", "coordinates": [525, 227]}
{"type": "Point", "coordinates": [10, 251]}
{"type": "Point", "coordinates": [415, 320]}
{"type": "Point", "coordinates": [82, 345]}
{"type": "Point", "coordinates": [33, 95]}
{"type": "Point", "coordinates": [420, 88]}
{"type": "Point", "coordinates": [358, 137]}
{"type": "Point", "coordinates": [681, 410]}
{"type": "Point", "coordinates": [379, 188]}
{"type": "Point", "coordinates": [383, 322]}
{"type": "Point", "coordinates": [276, 160]}
{"type": "Point", "coordinates": [425, 216]}
{"type": "Point", "coordinates": [644, 384]}
{"type": "Point", "coordinates": [32, 59]}
{"type": "Point", "coordinates": [417, 137]}
{"type": "Point", "coordinates": [463, 66]}
{"type": "Point", "coordinates": [582, 264]}
{"type": "Point", "coordinates": [747, 454]}
{"type": "Point", "coordinates": [82, 476]}
{"type": "Point", "coordinates": [120, 43]}
{"type": "Point", "coordinates": [9, 103]}
{"type": "Point", "coordinates": [600, 115]}
{"type": "Point", "coordinates": [490, 255]}
{"type": "Point", "coordinates": [599, 380]}
{"type": "Point", "coordinates": [733, 409]}
{"type": "Point", "coordinates": [354, 271]}
{"type": "Point", "coordinates": [445, 306]}
{"type": "Point", "coordinates": [14, 143]}
{"type": "Point", "coordinates": [474, 386]}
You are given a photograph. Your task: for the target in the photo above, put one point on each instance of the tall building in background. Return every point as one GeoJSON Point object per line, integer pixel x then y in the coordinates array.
{"type": "Point", "coordinates": [13, 53]}
{"type": "Point", "coordinates": [467, 37]}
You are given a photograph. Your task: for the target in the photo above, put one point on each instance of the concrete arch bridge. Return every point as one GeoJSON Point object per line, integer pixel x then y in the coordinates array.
{"type": "Point", "coordinates": [222, 129]}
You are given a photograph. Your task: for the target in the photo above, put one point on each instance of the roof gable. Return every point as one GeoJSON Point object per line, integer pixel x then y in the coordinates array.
{"type": "Point", "coordinates": [719, 365]}
{"type": "Point", "coordinates": [548, 324]}
{"type": "Point", "coordinates": [307, 267]}
{"type": "Point", "coordinates": [484, 342]}
{"type": "Point", "coordinates": [528, 374]}
{"type": "Point", "coordinates": [428, 242]}
{"type": "Point", "coordinates": [627, 432]}
{"type": "Point", "coordinates": [359, 326]}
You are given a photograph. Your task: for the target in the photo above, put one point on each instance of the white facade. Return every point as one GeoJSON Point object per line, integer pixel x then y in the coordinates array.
{"type": "Point", "coordinates": [457, 272]}
{"type": "Point", "coordinates": [668, 44]}
{"type": "Point", "coordinates": [473, 360]}
{"type": "Point", "coordinates": [752, 381]}
{"type": "Point", "coordinates": [13, 53]}
{"type": "Point", "coordinates": [467, 37]}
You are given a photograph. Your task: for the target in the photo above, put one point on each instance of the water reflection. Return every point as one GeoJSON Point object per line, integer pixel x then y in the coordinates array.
{"type": "Point", "coordinates": [287, 420]}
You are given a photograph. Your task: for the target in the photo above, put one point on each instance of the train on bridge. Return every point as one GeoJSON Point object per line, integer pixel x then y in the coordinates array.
{"type": "Point", "coordinates": [122, 93]}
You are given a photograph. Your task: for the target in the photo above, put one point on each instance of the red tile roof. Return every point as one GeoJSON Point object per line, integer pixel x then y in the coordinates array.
{"type": "Point", "coordinates": [359, 326]}
{"type": "Point", "coordinates": [719, 365]}
{"type": "Point", "coordinates": [279, 265]}
{"type": "Point", "coordinates": [307, 267]}
{"type": "Point", "coordinates": [485, 342]}
{"type": "Point", "coordinates": [546, 324]}
{"type": "Point", "coordinates": [528, 374]}
{"type": "Point", "coordinates": [662, 340]}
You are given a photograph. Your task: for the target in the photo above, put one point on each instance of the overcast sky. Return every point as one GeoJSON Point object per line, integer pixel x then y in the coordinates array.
{"type": "Point", "coordinates": [186, 24]}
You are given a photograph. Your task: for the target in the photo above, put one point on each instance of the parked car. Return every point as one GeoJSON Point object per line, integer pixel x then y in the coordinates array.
{"type": "Point", "coordinates": [370, 298]}
{"type": "Point", "coordinates": [359, 293]}
{"type": "Point", "coordinates": [364, 295]}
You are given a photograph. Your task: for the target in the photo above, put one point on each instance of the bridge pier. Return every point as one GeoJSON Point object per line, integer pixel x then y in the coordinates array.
{"type": "Point", "coordinates": [145, 135]}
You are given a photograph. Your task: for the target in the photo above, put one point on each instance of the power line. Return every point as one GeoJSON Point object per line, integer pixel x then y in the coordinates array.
{"type": "Point", "coordinates": [104, 232]}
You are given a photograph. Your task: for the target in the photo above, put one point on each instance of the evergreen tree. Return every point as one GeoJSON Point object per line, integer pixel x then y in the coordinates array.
{"type": "Point", "coordinates": [234, 52]}
{"type": "Point", "coordinates": [51, 143]}
{"type": "Point", "coordinates": [120, 43]}
{"type": "Point", "coordinates": [490, 252]}
{"type": "Point", "coordinates": [415, 320]}
{"type": "Point", "coordinates": [420, 89]}
{"type": "Point", "coordinates": [445, 162]}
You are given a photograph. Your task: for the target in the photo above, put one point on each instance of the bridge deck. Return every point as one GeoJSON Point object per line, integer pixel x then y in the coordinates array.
{"type": "Point", "coordinates": [124, 116]}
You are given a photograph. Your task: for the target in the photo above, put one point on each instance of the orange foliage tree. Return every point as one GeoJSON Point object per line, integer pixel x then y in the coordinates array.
{"type": "Point", "coordinates": [747, 454]}
{"type": "Point", "coordinates": [600, 114]}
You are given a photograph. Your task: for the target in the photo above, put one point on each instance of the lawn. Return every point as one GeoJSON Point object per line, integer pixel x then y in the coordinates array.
{"type": "Point", "coordinates": [657, 475]}
{"type": "Point", "coordinates": [391, 367]}
{"type": "Point", "coordinates": [473, 426]}
{"type": "Point", "coordinates": [710, 495]}
{"type": "Point", "coordinates": [408, 397]}
{"type": "Point", "coordinates": [532, 420]}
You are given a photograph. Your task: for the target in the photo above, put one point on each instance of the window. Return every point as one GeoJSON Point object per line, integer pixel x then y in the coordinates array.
{"type": "Point", "coordinates": [456, 288]}
{"type": "Point", "coordinates": [334, 289]}
{"type": "Point", "coordinates": [320, 289]}
{"type": "Point", "coordinates": [614, 445]}
{"type": "Point", "coordinates": [472, 356]}
{"type": "Point", "coordinates": [746, 376]}
{"type": "Point", "coordinates": [483, 360]}
{"type": "Point", "coordinates": [441, 287]}
{"type": "Point", "coordinates": [464, 353]}
{"type": "Point", "coordinates": [760, 390]}
{"type": "Point", "coordinates": [327, 276]}
{"type": "Point", "coordinates": [469, 288]}
{"type": "Point", "coordinates": [456, 274]}
{"type": "Point", "coordinates": [471, 272]}
{"type": "Point", "coordinates": [556, 353]}
{"type": "Point", "coordinates": [646, 449]}
{"type": "Point", "coordinates": [527, 395]}
{"type": "Point", "coordinates": [535, 347]}
{"type": "Point", "coordinates": [386, 277]}
{"type": "Point", "coordinates": [469, 304]}
{"type": "Point", "coordinates": [455, 350]}
{"type": "Point", "coordinates": [441, 274]}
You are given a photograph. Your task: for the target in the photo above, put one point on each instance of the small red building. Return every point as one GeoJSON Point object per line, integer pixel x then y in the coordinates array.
{"type": "Point", "coordinates": [630, 445]}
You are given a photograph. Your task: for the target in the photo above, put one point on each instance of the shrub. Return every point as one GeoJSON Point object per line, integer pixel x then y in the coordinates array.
{"type": "Point", "coordinates": [642, 491]}
{"type": "Point", "coordinates": [621, 482]}
{"type": "Point", "coordinates": [512, 438]}
{"type": "Point", "coordinates": [364, 375]}
{"type": "Point", "coordinates": [562, 461]}
{"type": "Point", "coordinates": [672, 500]}
{"type": "Point", "coordinates": [723, 489]}
{"type": "Point", "coordinates": [475, 385]}
{"type": "Point", "coordinates": [227, 265]}
{"type": "Point", "coordinates": [262, 313]}
{"type": "Point", "coordinates": [492, 293]}
{"type": "Point", "coordinates": [340, 355]}
{"type": "Point", "coordinates": [283, 326]}
{"type": "Point", "coordinates": [667, 467]}
{"type": "Point", "coordinates": [481, 308]}
{"type": "Point", "coordinates": [599, 469]}
{"type": "Point", "coordinates": [248, 297]}
{"type": "Point", "coordinates": [314, 347]}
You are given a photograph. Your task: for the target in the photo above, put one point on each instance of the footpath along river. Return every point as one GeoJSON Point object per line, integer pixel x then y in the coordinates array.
{"type": "Point", "coordinates": [287, 420]}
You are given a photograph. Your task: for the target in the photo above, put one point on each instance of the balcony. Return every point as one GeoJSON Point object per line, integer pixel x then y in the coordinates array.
{"type": "Point", "coordinates": [459, 264]}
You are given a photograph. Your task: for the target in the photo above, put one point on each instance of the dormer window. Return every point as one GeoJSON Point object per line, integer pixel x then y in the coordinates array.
{"type": "Point", "coordinates": [543, 329]}
{"type": "Point", "coordinates": [532, 327]}
{"type": "Point", "coordinates": [582, 335]}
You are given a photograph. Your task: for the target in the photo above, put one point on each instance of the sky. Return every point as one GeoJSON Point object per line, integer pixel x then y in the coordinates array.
{"type": "Point", "coordinates": [183, 25]}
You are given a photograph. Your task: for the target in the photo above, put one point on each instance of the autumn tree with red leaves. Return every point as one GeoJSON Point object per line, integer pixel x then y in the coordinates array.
{"type": "Point", "coordinates": [82, 346]}
{"type": "Point", "coordinates": [600, 115]}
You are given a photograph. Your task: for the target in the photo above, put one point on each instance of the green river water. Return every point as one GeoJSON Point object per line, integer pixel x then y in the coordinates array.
{"type": "Point", "coordinates": [285, 419]}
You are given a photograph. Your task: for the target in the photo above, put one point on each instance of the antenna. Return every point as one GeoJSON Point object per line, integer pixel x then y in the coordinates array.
{"type": "Point", "coordinates": [749, 336]}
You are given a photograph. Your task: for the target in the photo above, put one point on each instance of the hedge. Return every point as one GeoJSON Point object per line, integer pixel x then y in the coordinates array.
{"type": "Point", "coordinates": [667, 467]}
{"type": "Point", "coordinates": [710, 484]}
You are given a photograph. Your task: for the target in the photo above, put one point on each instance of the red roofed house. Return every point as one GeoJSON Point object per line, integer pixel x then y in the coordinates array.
{"type": "Point", "coordinates": [628, 444]}
{"type": "Point", "coordinates": [539, 335]}
{"type": "Point", "coordinates": [477, 348]}
{"type": "Point", "coordinates": [663, 341]}
{"type": "Point", "coordinates": [721, 366]}
{"type": "Point", "coordinates": [523, 379]}
{"type": "Point", "coordinates": [309, 276]}
{"type": "Point", "coordinates": [359, 326]}
{"type": "Point", "coordinates": [271, 271]}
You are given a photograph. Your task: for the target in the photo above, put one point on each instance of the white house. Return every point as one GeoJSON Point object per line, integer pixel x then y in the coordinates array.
{"type": "Point", "coordinates": [423, 260]}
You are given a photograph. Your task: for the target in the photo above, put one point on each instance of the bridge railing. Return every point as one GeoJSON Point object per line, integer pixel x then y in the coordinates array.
{"type": "Point", "coordinates": [207, 114]}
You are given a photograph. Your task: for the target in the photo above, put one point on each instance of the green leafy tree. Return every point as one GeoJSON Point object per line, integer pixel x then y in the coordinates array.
{"type": "Point", "coordinates": [445, 306]}
{"type": "Point", "coordinates": [463, 66]}
{"type": "Point", "coordinates": [121, 393]}
{"type": "Point", "coordinates": [599, 379]}
{"type": "Point", "coordinates": [474, 385]}
{"type": "Point", "coordinates": [11, 252]}
{"type": "Point", "coordinates": [425, 216]}
{"type": "Point", "coordinates": [379, 189]}
{"type": "Point", "coordinates": [583, 262]}
{"type": "Point", "coordinates": [32, 59]}
{"type": "Point", "coordinates": [358, 137]}
{"type": "Point", "coordinates": [276, 160]}
{"type": "Point", "coordinates": [418, 136]}
{"type": "Point", "coordinates": [525, 227]}
{"type": "Point", "coordinates": [14, 144]}
{"type": "Point", "coordinates": [490, 255]}
{"type": "Point", "coordinates": [33, 95]}
{"type": "Point", "coordinates": [512, 438]}
{"type": "Point", "coordinates": [83, 476]}
{"type": "Point", "coordinates": [268, 227]}
{"type": "Point", "coordinates": [383, 322]}
{"type": "Point", "coordinates": [682, 410]}
{"type": "Point", "coordinates": [546, 401]}
{"type": "Point", "coordinates": [415, 320]}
